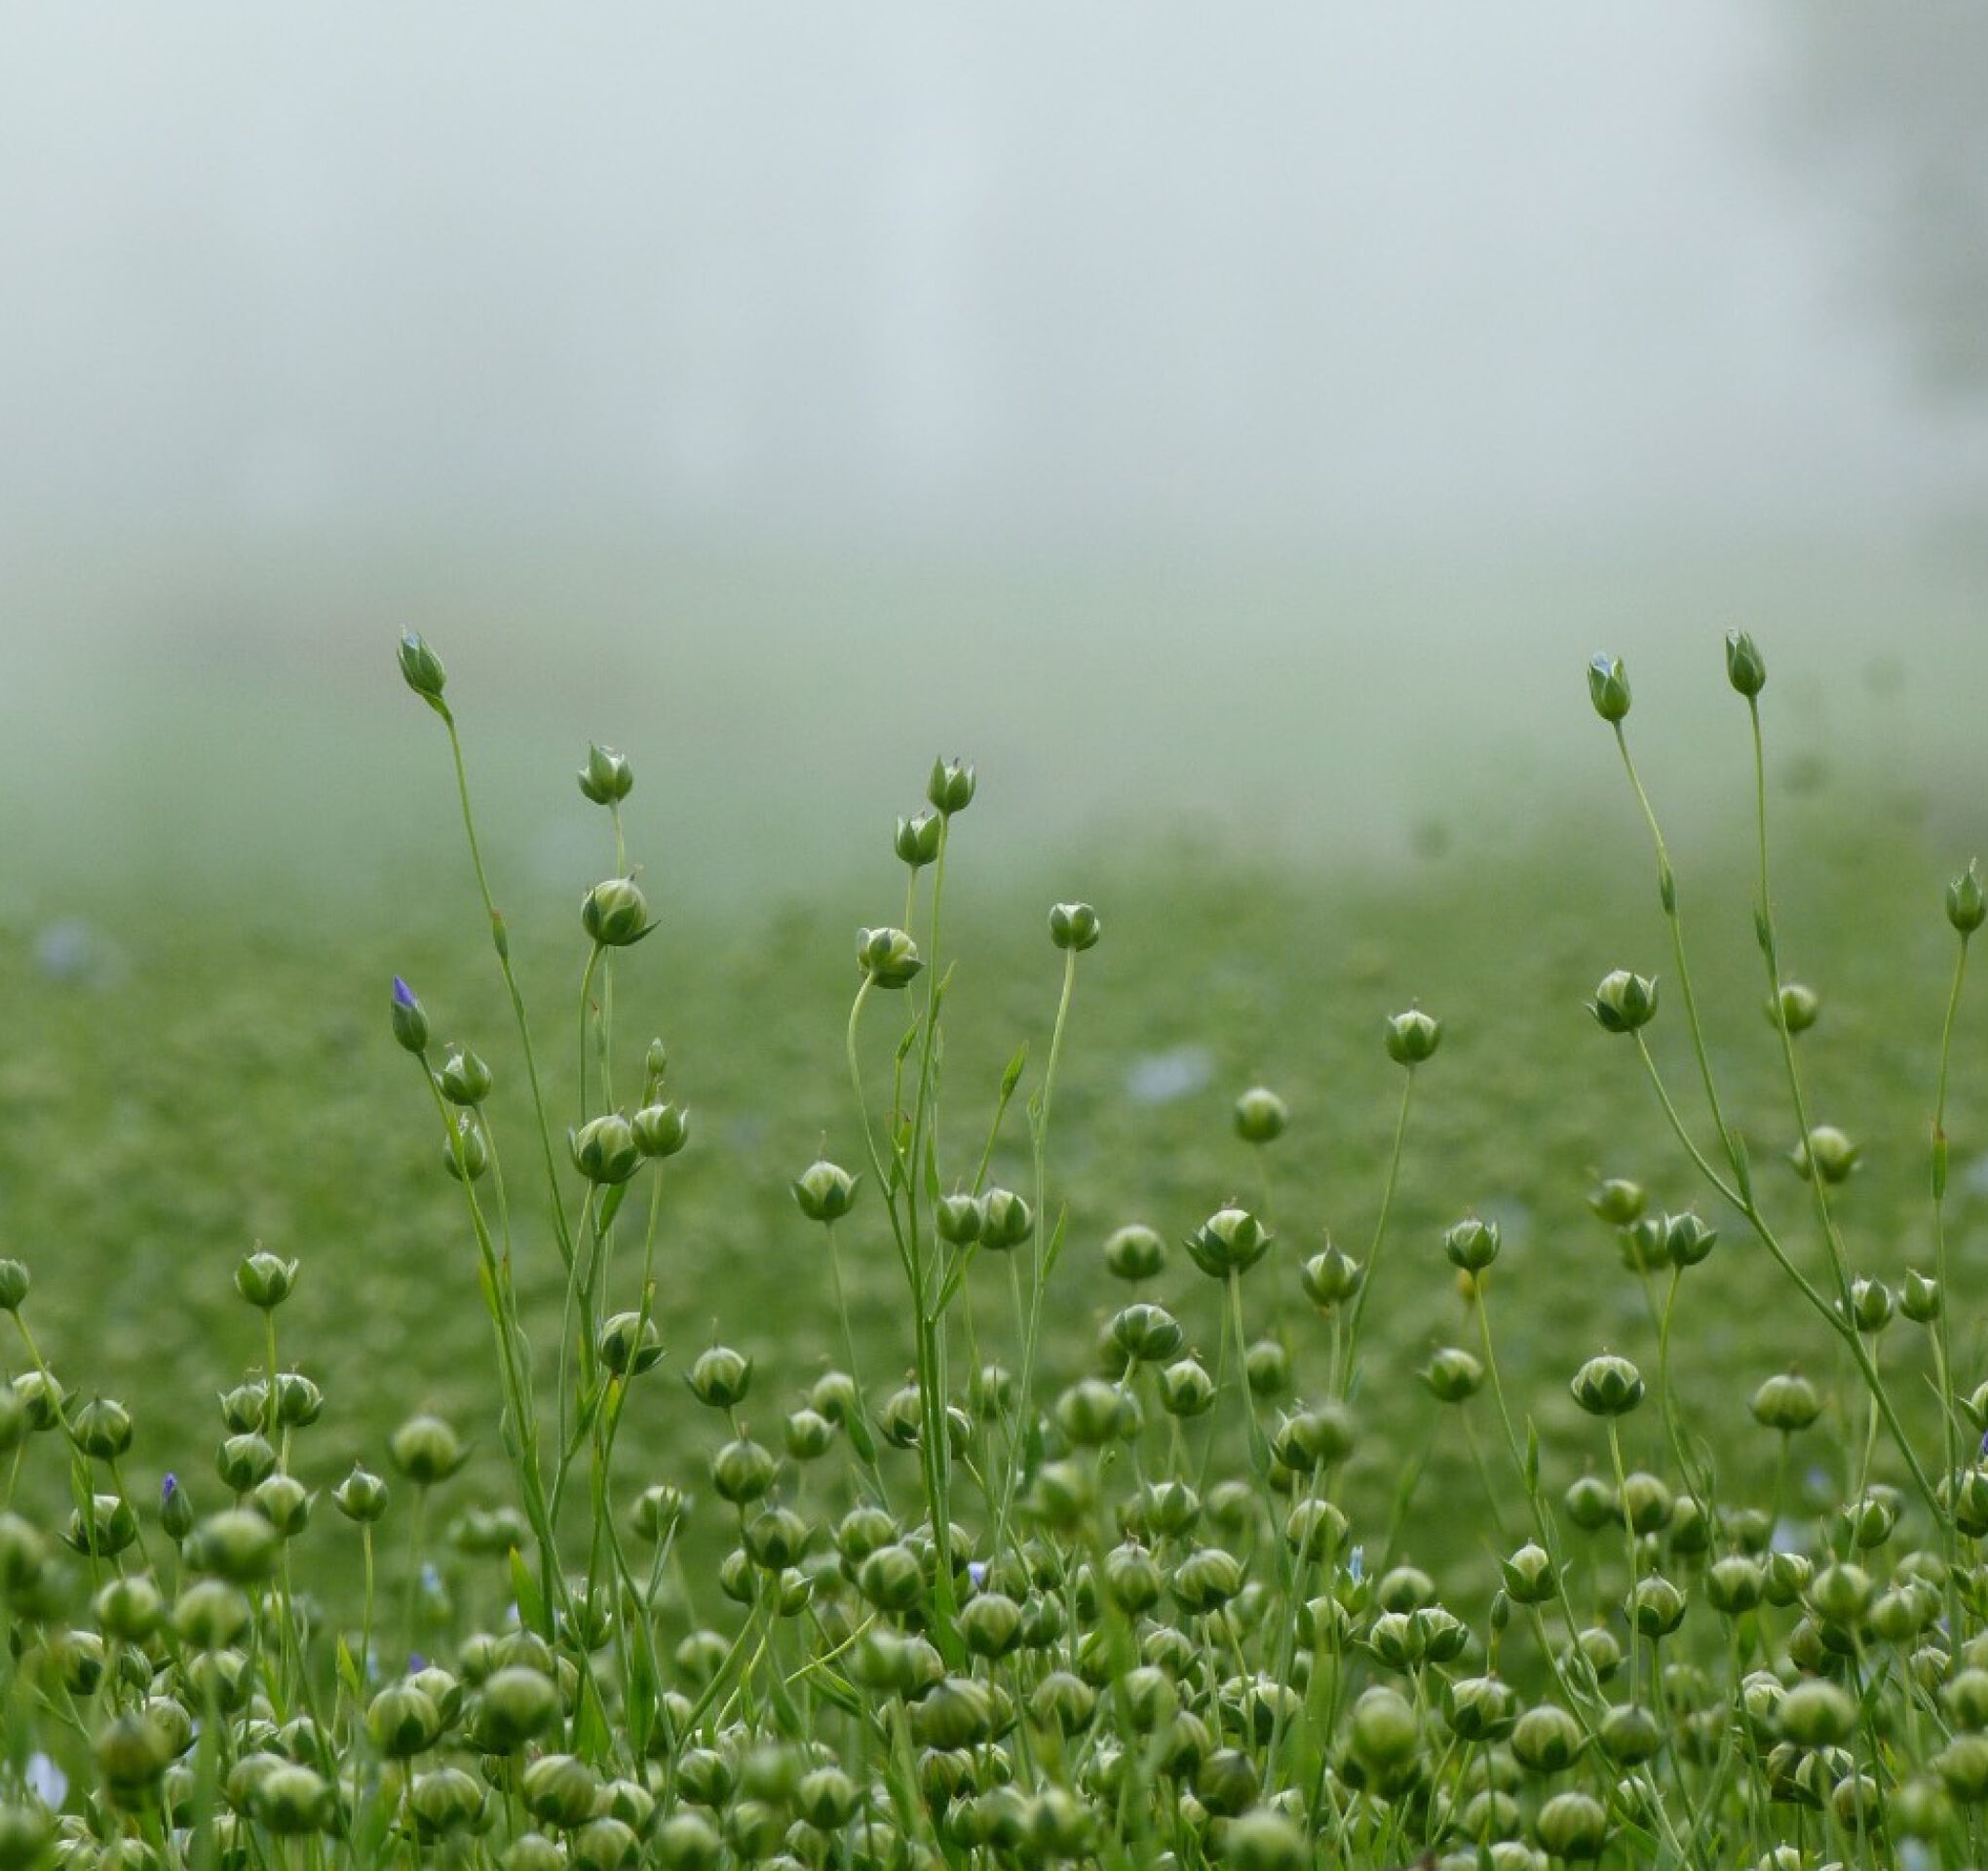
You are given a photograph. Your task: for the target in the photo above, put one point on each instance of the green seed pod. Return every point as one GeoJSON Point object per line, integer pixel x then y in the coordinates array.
{"type": "Point", "coordinates": [1967, 902]}
{"type": "Point", "coordinates": [615, 914]}
{"type": "Point", "coordinates": [1091, 1413]}
{"type": "Point", "coordinates": [1607, 1386]}
{"type": "Point", "coordinates": [1062, 1701]}
{"type": "Point", "coordinates": [1816, 1714]}
{"type": "Point", "coordinates": [720, 1378]}
{"type": "Point", "coordinates": [1186, 1390]}
{"type": "Point", "coordinates": [1624, 1003]}
{"type": "Point", "coordinates": [514, 1705]}
{"type": "Point", "coordinates": [1267, 1369]}
{"type": "Point", "coordinates": [1206, 1579]}
{"type": "Point", "coordinates": [1132, 1576]}
{"type": "Point", "coordinates": [1452, 1374]}
{"type": "Point", "coordinates": [990, 1624]}
{"type": "Point", "coordinates": [1736, 1585]}
{"type": "Point", "coordinates": [951, 787]}
{"type": "Point", "coordinates": [607, 778]}
{"type": "Point", "coordinates": [825, 1190]}
{"type": "Point", "coordinates": [1480, 1708]}
{"type": "Point", "coordinates": [1788, 1578]}
{"type": "Point", "coordinates": [605, 1844]}
{"type": "Point", "coordinates": [892, 1579]}
{"type": "Point", "coordinates": [464, 1079]}
{"type": "Point", "coordinates": [1793, 1009]}
{"type": "Point", "coordinates": [1841, 1594]}
{"type": "Point", "coordinates": [1331, 1279]}
{"type": "Point", "coordinates": [265, 1281]}
{"type": "Point", "coordinates": [104, 1528]}
{"type": "Point", "coordinates": [629, 1345]}
{"type": "Point", "coordinates": [958, 1218]}
{"type": "Point", "coordinates": [360, 1496]}
{"type": "Point", "coordinates": [420, 667]}
{"type": "Point", "coordinates": [1871, 1519]}
{"type": "Point", "coordinates": [299, 1402]}
{"type": "Point", "coordinates": [101, 1429]}
{"type": "Point", "coordinates": [1412, 1036]}
{"type": "Point", "coordinates": [403, 1721]}
{"type": "Point", "coordinates": [956, 1712]}
{"type": "Point", "coordinates": [1471, 1244]}
{"type": "Point", "coordinates": [1146, 1334]}
{"type": "Point", "coordinates": [1920, 1297]}
{"type": "Point", "coordinates": [1745, 669]}
{"type": "Point", "coordinates": [1630, 1735]}
{"type": "Point", "coordinates": [1315, 1530]}
{"type": "Point", "coordinates": [1230, 1240]}
{"type": "Point", "coordinates": [1164, 1509]}
{"type": "Point", "coordinates": [1005, 1220]}
{"type": "Point", "coordinates": [1261, 1116]}
{"type": "Point", "coordinates": [1616, 1201]}
{"type": "Point", "coordinates": [1825, 1152]}
{"type": "Point", "coordinates": [245, 1409]}
{"type": "Point", "coordinates": [604, 1150]}
{"type": "Point", "coordinates": [808, 1435]}
{"type": "Point", "coordinates": [888, 957]}
{"type": "Point", "coordinates": [559, 1790]}
{"type": "Point", "coordinates": [1786, 1402]}
{"type": "Point", "coordinates": [1383, 1731]}
{"type": "Point", "coordinates": [835, 1394]}
{"type": "Point", "coordinates": [1136, 1253]}
{"type": "Point", "coordinates": [13, 1423]}
{"type": "Point", "coordinates": [660, 1130]}
{"type": "Point", "coordinates": [1648, 1501]}
{"type": "Point", "coordinates": [210, 1615]}
{"type": "Point", "coordinates": [1546, 1740]}
{"type": "Point", "coordinates": [1075, 927]}
{"type": "Point", "coordinates": [743, 1470]}
{"type": "Point", "coordinates": [285, 1502]}
{"type": "Point", "coordinates": [1687, 1240]}
{"type": "Point", "coordinates": [408, 1018]}
{"type": "Point", "coordinates": [1608, 688]}
{"type": "Point", "coordinates": [1657, 1607]}
{"type": "Point", "coordinates": [1592, 1503]}
{"type": "Point", "coordinates": [777, 1538]}
{"type": "Point", "coordinates": [1870, 1305]}
{"type": "Point", "coordinates": [826, 1799]}
{"type": "Point", "coordinates": [1574, 1825]}
{"type": "Point", "coordinates": [1315, 1438]}
{"type": "Point", "coordinates": [427, 1450]}
{"type": "Point", "coordinates": [129, 1608]}
{"type": "Point", "coordinates": [917, 839]}
{"type": "Point", "coordinates": [1528, 1576]}
{"type": "Point", "coordinates": [243, 1462]}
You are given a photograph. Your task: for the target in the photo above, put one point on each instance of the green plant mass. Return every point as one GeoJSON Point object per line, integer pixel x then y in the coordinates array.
{"type": "Point", "coordinates": [1474, 1368]}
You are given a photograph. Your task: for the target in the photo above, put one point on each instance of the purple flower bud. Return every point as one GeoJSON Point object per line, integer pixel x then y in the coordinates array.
{"type": "Point", "coordinates": [410, 1018]}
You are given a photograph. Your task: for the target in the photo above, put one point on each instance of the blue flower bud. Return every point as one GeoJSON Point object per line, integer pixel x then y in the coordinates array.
{"type": "Point", "coordinates": [1608, 687]}
{"type": "Point", "coordinates": [410, 1021]}
{"type": "Point", "coordinates": [176, 1510]}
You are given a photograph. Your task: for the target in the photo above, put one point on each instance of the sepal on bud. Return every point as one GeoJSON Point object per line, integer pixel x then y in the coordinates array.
{"type": "Point", "coordinates": [661, 1129]}
{"type": "Point", "coordinates": [1967, 902]}
{"type": "Point", "coordinates": [918, 839]}
{"type": "Point", "coordinates": [1745, 667]}
{"type": "Point", "coordinates": [888, 956]}
{"type": "Point", "coordinates": [1413, 1037]}
{"type": "Point", "coordinates": [1230, 1240]}
{"type": "Point", "coordinates": [951, 785]}
{"type": "Point", "coordinates": [1624, 1003]}
{"type": "Point", "coordinates": [421, 669]}
{"type": "Point", "coordinates": [1075, 927]}
{"type": "Point", "coordinates": [615, 913]}
{"type": "Point", "coordinates": [265, 1281]}
{"type": "Point", "coordinates": [605, 1151]}
{"type": "Point", "coordinates": [825, 1190]}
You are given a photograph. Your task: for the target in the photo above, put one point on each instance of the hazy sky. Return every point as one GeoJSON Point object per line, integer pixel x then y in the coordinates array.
{"type": "Point", "coordinates": [995, 274]}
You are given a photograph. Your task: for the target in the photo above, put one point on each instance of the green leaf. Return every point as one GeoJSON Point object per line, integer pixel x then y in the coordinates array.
{"type": "Point", "coordinates": [349, 1676]}
{"type": "Point", "coordinates": [1017, 1066]}
{"type": "Point", "coordinates": [531, 1603]}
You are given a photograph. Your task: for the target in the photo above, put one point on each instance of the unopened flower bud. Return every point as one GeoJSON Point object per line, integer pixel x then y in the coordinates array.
{"type": "Point", "coordinates": [958, 1218]}
{"type": "Point", "coordinates": [237, 1544]}
{"type": "Point", "coordinates": [1825, 1152]}
{"type": "Point", "coordinates": [1623, 1002]}
{"type": "Point", "coordinates": [427, 1450]}
{"type": "Point", "coordinates": [607, 778]}
{"type": "Point", "coordinates": [1687, 1240]}
{"type": "Point", "coordinates": [409, 1019]}
{"type": "Point", "coordinates": [403, 1721]}
{"type": "Point", "coordinates": [605, 1149]}
{"type": "Point", "coordinates": [1745, 667]}
{"type": "Point", "coordinates": [918, 839]}
{"type": "Point", "coordinates": [1260, 1116]}
{"type": "Point", "coordinates": [1608, 687]}
{"type": "Point", "coordinates": [888, 956]}
{"type": "Point", "coordinates": [1608, 1386]}
{"type": "Point", "coordinates": [361, 1496]}
{"type": "Point", "coordinates": [243, 1461]}
{"type": "Point", "coordinates": [1816, 1714]}
{"type": "Point", "coordinates": [176, 1510]}
{"type": "Point", "coordinates": [14, 1285]}
{"type": "Point", "coordinates": [101, 1429]}
{"type": "Point", "coordinates": [951, 785]}
{"type": "Point", "coordinates": [1146, 1334]}
{"type": "Point", "coordinates": [808, 1435]}
{"type": "Point", "coordinates": [1794, 1007]}
{"type": "Point", "coordinates": [1574, 1825]}
{"type": "Point", "coordinates": [1967, 902]}
{"type": "Point", "coordinates": [1074, 926]}
{"type": "Point", "coordinates": [1230, 1240]}
{"type": "Point", "coordinates": [615, 913]}
{"type": "Point", "coordinates": [825, 1190]}
{"type": "Point", "coordinates": [1134, 1253]}
{"type": "Point", "coordinates": [464, 1078]}
{"type": "Point", "coordinates": [658, 1509]}
{"type": "Point", "coordinates": [1870, 1305]}
{"type": "Point", "coordinates": [661, 1129]}
{"type": "Point", "coordinates": [133, 1754]}
{"type": "Point", "coordinates": [743, 1470]}
{"type": "Point", "coordinates": [1413, 1037]}
{"type": "Point", "coordinates": [1656, 1607]}
{"type": "Point", "coordinates": [284, 1501]}
{"type": "Point", "coordinates": [420, 667]}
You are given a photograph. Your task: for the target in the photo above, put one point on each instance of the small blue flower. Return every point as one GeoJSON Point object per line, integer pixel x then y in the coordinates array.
{"type": "Point", "coordinates": [404, 995]}
{"type": "Point", "coordinates": [167, 1489]}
